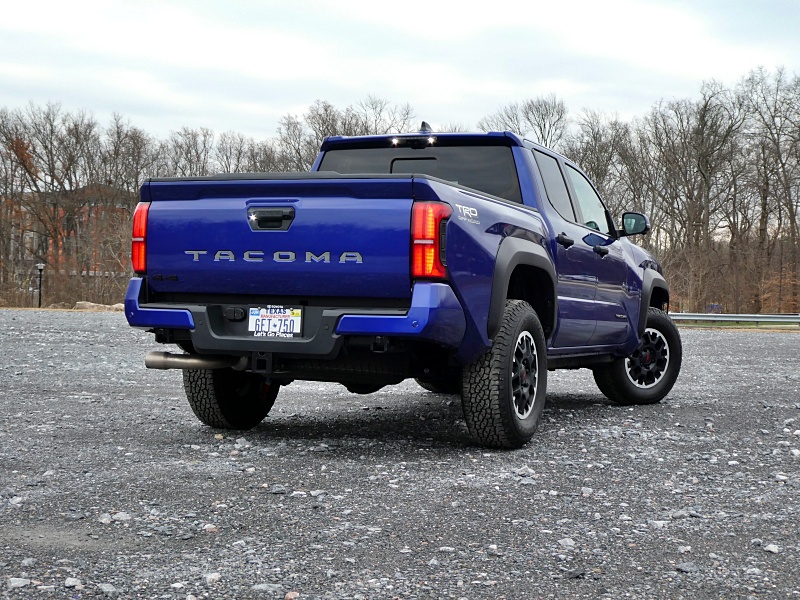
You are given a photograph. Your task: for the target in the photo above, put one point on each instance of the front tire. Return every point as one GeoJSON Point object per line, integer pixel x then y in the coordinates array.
{"type": "Point", "coordinates": [228, 399]}
{"type": "Point", "coordinates": [647, 375]}
{"type": "Point", "coordinates": [503, 392]}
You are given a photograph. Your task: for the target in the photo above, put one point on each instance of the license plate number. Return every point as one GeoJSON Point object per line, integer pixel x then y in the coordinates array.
{"type": "Point", "coordinates": [275, 321]}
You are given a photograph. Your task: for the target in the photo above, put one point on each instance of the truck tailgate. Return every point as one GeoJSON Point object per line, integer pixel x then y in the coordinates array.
{"type": "Point", "coordinates": [310, 236]}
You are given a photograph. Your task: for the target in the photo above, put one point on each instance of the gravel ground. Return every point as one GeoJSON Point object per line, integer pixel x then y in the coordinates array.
{"type": "Point", "coordinates": [110, 487]}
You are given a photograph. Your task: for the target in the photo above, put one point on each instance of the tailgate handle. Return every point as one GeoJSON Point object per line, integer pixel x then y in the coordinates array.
{"type": "Point", "coordinates": [270, 219]}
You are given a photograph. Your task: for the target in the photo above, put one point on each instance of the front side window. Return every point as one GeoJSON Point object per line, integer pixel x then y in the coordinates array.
{"type": "Point", "coordinates": [594, 213]}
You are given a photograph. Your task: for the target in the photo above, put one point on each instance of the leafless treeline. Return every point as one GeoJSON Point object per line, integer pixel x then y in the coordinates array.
{"type": "Point", "coordinates": [719, 176]}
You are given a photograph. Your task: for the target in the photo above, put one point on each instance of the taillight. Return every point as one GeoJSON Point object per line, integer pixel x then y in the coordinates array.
{"type": "Point", "coordinates": [428, 221]}
{"type": "Point", "coordinates": [139, 238]}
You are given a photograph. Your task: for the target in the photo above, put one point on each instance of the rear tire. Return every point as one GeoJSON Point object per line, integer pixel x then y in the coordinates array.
{"type": "Point", "coordinates": [647, 375]}
{"type": "Point", "coordinates": [228, 399]}
{"type": "Point", "coordinates": [504, 391]}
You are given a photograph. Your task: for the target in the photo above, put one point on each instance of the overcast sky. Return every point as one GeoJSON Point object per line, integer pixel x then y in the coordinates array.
{"type": "Point", "coordinates": [241, 64]}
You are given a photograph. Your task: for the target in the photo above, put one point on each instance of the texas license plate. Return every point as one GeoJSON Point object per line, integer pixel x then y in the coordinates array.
{"type": "Point", "coordinates": [275, 321]}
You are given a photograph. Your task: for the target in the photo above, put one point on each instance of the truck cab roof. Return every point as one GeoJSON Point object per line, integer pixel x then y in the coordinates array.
{"type": "Point", "coordinates": [422, 139]}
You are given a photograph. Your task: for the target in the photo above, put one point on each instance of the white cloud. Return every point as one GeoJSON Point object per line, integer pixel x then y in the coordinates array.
{"type": "Point", "coordinates": [242, 64]}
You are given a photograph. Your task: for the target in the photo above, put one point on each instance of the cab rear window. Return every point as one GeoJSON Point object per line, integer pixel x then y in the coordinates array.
{"type": "Point", "coordinates": [489, 169]}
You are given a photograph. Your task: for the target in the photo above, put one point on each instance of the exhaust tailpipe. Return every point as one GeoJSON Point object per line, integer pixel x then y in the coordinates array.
{"type": "Point", "coordinates": [166, 360]}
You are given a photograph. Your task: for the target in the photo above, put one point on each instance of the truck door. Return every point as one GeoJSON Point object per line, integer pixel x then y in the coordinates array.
{"type": "Point", "coordinates": [577, 281]}
{"type": "Point", "coordinates": [609, 266]}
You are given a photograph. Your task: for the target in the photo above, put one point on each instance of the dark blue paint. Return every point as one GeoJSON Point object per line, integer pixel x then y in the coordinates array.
{"type": "Point", "coordinates": [366, 257]}
{"type": "Point", "coordinates": [153, 317]}
{"type": "Point", "coordinates": [598, 297]}
{"type": "Point", "coordinates": [435, 315]}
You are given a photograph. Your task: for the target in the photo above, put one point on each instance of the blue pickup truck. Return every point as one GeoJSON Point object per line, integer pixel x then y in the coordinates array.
{"type": "Point", "coordinates": [473, 263]}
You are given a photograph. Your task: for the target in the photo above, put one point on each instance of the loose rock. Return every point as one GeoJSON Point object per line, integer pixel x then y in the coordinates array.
{"type": "Point", "coordinates": [17, 582]}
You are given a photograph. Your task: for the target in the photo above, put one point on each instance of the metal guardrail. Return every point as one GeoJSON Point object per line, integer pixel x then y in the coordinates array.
{"type": "Point", "coordinates": [720, 317]}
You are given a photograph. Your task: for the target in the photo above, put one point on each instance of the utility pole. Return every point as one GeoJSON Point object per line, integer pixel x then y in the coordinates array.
{"type": "Point", "coordinates": [40, 266]}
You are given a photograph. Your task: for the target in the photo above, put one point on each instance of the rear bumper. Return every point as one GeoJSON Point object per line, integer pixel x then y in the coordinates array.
{"type": "Point", "coordinates": [153, 318]}
{"type": "Point", "coordinates": [435, 315]}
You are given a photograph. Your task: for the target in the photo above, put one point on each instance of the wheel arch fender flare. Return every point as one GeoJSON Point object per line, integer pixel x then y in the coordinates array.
{"type": "Point", "coordinates": [514, 252]}
{"type": "Point", "coordinates": [653, 284]}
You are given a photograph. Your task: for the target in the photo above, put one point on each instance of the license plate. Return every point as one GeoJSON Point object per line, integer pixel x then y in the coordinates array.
{"type": "Point", "coordinates": [275, 321]}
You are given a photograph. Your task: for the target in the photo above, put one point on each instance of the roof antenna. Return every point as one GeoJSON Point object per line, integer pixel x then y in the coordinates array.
{"type": "Point", "coordinates": [425, 128]}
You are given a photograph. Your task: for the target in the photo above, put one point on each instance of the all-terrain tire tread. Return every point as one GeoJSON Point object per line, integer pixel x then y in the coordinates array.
{"type": "Point", "coordinates": [199, 387]}
{"type": "Point", "coordinates": [611, 379]}
{"type": "Point", "coordinates": [227, 399]}
{"type": "Point", "coordinates": [482, 391]}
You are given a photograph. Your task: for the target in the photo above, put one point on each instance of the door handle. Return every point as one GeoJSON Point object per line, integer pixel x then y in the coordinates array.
{"type": "Point", "coordinates": [564, 240]}
{"type": "Point", "coordinates": [601, 250]}
{"type": "Point", "coordinates": [270, 219]}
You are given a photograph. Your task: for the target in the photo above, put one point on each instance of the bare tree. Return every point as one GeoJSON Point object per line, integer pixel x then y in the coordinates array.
{"type": "Point", "coordinates": [596, 146]}
{"type": "Point", "coordinates": [298, 145]}
{"type": "Point", "coordinates": [544, 118]}
{"type": "Point", "coordinates": [377, 116]}
{"type": "Point", "coordinates": [507, 118]}
{"type": "Point", "coordinates": [69, 191]}
{"type": "Point", "coordinates": [187, 153]}
{"type": "Point", "coordinates": [265, 156]}
{"type": "Point", "coordinates": [719, 175]}
{"type": "Point", "coordinates": [230, 152]}
{"type": "Point", "coordinates": [774, 110]}
{"type": "Point", "coordinates": [55, 155]}
{"type": "Point", "coordinates": [693, 144]}
{"type": "Point", "coordinates": [299, 139]}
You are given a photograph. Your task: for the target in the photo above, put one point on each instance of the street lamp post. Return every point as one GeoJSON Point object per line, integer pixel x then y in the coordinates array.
{"type": "Point", "coordinates": [40, 266]}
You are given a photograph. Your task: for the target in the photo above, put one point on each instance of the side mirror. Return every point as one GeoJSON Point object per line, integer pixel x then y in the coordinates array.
{"type": "Point", "coordinates": [634, 223]}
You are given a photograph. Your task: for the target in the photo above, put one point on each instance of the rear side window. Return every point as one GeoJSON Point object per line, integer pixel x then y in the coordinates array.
{"type": "Point", "coordinates": [554, 184]}
{"type": "Point", "coordinates": [489, 169]}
